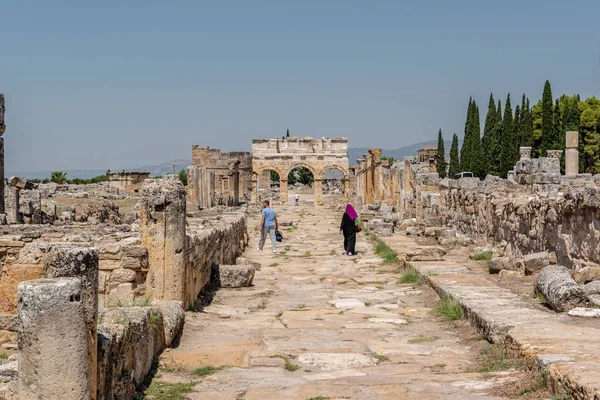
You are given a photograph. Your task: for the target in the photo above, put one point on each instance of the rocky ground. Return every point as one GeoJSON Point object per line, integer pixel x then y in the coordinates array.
{"type": "Point", "coordinates": [320, 325]}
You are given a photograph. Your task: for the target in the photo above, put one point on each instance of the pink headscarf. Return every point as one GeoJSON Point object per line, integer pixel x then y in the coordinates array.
{"type": "Point", "coordinates": [351, 212]}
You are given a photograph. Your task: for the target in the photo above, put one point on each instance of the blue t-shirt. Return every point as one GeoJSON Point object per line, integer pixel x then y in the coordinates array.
{"type": "Point", "coordinates": [269, 215]}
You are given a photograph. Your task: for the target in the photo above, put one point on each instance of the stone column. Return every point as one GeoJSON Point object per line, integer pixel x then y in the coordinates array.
{"type": "Point", "coordinates": [283, 191]}
{"type": "Point", "coordinates": [346, 188]}
{"type": "Point", "coordinates": [571, 153]}
{"type": "Point", "coordinates": [11, 199]}
{"type": "Point", "coordinates": [318, 190]}
{"type": "Point", "coordinates": [162, 229]}
{"type": "Point", "coordinates": [81, 263]}
{"type": "Point", "coordinates": [193, 190]}
{"type": "Point", "coordinates": [525, 153]}
{"type": "Point", "coordinates": [253, 196]}
{"type": "Point", "coordinates": [53, 341]}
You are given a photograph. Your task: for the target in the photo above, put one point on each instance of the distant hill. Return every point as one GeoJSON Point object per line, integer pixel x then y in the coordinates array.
{"type": "Point", "coordinates": [155, 170]}
{"type": "Point", "coordinates": [355, 153]}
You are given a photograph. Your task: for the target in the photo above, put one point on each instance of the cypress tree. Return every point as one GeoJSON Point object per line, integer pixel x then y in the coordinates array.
{"type": "Point", "coordinates": [507, 158]}
{"type": "Point", "coordinates": [489, 137]}
{"type": "Point", "coordinates": [517, 127]}
{"type": "Point", "coordinates": [454, 167]}
{"type": "Point", "coordinates": [475, 136]}
{"type": "Point", "coordinates": [440, 162]}
{"type": "Point", "coordinates": [496, 145]}
{"type": "Point", "coordinates": [527, 127]}
{"type": "Point", "coordinates": [465, 151]}
{"type": "Point", "coordinates": [287, 133]}
{"type": "Point", "coordinates": [547, 120]}
{"type": "Point", "coordinates": [559, 134]}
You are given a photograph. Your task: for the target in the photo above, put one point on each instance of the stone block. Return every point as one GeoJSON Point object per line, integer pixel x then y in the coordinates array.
{"type": "Point", "coordinates": [131, 263]}
{"type": "Point", "coordinates": [534, 262]}
{"type": "Point", "coordinates": [122, 294]}
{"type": "Point", "coordinates": [234, 276]}
{"type": "Point", "coordinates": [432, 253]}
{"type": "Point", "coordinates": [108, 265]}
{"type": "Point", "coordinates": [122, 275]}
{"type": "Point", "coordinates": [560, 290]}
{"type": "Point", "coordinates": [586, 274]}
{"type": "Point", "coordinates": [572, 140]}
{"type": "Point", "coordinates": [134, 251]}
{"type": "Point", "coordinates": [414, 231]}
{"type": "Point", "coordinates": [497, 264]}
{"type": "Point", "coordinates": [173, 318]}
{"type": "Point", "coordinates": [11, 276]}
{"type": "Point", "coordinates": [592, 288]}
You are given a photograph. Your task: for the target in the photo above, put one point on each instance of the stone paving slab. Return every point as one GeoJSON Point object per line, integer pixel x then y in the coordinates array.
{"type": "Point", "coordinates": [570, 354]}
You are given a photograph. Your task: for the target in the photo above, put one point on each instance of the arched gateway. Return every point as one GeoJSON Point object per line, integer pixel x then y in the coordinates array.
{"type": "Point", "coordinates": [284, 155]}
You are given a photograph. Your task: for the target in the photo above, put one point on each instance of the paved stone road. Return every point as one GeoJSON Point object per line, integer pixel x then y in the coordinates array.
{"type": "Point", "coordinates": [343, 326]}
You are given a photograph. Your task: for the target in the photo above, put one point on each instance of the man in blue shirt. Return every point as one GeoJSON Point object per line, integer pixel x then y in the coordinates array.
{"type": "Point", "coordinates": [268, 226]}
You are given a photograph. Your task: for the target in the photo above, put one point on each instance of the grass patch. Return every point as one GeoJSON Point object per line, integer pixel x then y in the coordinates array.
{"type": "Point", "coordinates": [320, 398]}
{"type": "Point", "coordinates": [288, 364]}
{"type": "Point", "coordinates": [382, 357]}
{"type": "Point", "coordinates": [332, 253]}
{"type": "Point", "coordinates": [155, 320]}
{"type": "Point", "coordinates": [167, 391]}
{"type": "Point", "coordinates": [287, 248]}
{"type": "Point", "coordinates": [423, 339]}
{"type": "Point", "coordinates": [206, 370]}
{"type": "Point", "coordinates": [540, 297]}
{"type": "Point", "coordinates": [306, 254]}
{"type": "Point", "coordinates": [342, 282]}
{"type": "Point", "coordinates": [450, 309]}
{"type": "Point", "coordinates": [368, 303]}
{"type": "Point", "coordinates": [411, 275]}
{"type": "Point", "coordinates": [322, 278]}
{"type": "Point", "coordinates": [384, 251]}
{"type": "Point", "coordinates": [3, 356]}
{"type": "Point", "coordinates": [486, 255]}
{"type": "Point", "coordinates": [494, 357]}
{"type": "Point", "coordinates": [274, 265]}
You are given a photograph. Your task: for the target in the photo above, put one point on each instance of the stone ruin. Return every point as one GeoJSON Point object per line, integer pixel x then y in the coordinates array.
{"type": "Point", "coordinates": [89, 295]}
{"type": "Point", "coordinates": [535, 219]}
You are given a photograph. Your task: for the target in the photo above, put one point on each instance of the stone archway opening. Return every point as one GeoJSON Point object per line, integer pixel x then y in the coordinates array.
{"type": "Point", "coordinates": [301, 181]}
{"type": "Point", "coordinates": [268, 184]}
{"type": "Point", "coordinates": [333, 184]}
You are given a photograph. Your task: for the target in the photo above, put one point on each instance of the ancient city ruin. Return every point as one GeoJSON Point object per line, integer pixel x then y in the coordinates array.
{"type": "Point", "coordinates": [110, 289]}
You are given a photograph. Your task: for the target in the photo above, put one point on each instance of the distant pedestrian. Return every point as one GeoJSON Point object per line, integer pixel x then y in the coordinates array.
{"type": "Point", "coordinates": [297, 198]}
{"type": "Point", "coordinates": [348, 228]}
{"type": "Point", "coordinates": [268, 226]}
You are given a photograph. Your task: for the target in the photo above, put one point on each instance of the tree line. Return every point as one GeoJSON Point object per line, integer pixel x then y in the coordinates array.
{"type": "Point", "coordinates": [542, 127]}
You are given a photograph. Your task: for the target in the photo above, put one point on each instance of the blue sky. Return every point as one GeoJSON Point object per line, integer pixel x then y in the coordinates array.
{"type": "Point", "coordinates": [117, 84]}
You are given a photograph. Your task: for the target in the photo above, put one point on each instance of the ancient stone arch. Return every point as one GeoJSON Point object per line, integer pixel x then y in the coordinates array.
{"type": "Point", "coordinates": [284, 155]}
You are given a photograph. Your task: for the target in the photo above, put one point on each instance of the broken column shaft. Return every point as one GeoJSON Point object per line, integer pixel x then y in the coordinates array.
{"type": "Point", "coordinates": [53, 356]}
{"type": "Point", "coordinates": [571, 153]}
{"type": "Point", "coordinates": [162, 228]}
{"type": "Point", "coordinates": [82, 263]}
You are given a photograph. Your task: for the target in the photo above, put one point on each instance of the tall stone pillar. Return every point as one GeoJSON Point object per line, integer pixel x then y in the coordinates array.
{"type": "Point", "coordinates": [346, 188]}
{"type": "Point", "coordinates": [253, 196]}
{"type": "Point", "coordinates": [283, 191]}
{"type": "Point", "coordinates": [53, 340]}
{"type": "Point", "coordinates": [81, 263]}
{"type": "Point", "coordinates": [318, 190]}
{"type": "Point", "coordinates": [571, 153]}
{"type": "Point", "coordinates": [2, 130]}
{"type": "Point", "coordinates": [162, 229]}
{"type": "Point", "coordinates": [193, 181]}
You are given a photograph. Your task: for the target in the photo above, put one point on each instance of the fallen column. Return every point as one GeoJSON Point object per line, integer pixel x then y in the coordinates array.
{"type": "Point", "coordinates": [53, 342]}
{"type": "Point", "coordinates": [560, 290]}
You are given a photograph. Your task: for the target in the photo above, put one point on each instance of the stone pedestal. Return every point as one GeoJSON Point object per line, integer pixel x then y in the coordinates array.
{"type": "Point", "coordinates": [81, 263]}
{"type": "Point", "coordinates": [53, 341]}
{"type": "Point", "coordinates": [571, 153]}
{"type": "Point", "coordinates": [162, 228]}
{"type": "Point", "coordinates": [525, 153]}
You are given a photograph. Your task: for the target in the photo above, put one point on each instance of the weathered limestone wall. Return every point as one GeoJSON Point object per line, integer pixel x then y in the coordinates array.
{"type": "Point", "coordinates": [530, 219]}
{"type": "Point", "coordinates": [201, 188]}
{"type": "Point", "coordinates": [208, 243]}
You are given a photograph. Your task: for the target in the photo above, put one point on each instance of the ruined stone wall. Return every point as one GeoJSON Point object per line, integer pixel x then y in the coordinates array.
{"type": "Point", "coordinates": [232, 179]}
{"type": "Point", "coordinates": [529, 218]}
{"type": "Point", "coordinates": [201, 188]}
{"type": "Point", "coordinates": [128, 181]}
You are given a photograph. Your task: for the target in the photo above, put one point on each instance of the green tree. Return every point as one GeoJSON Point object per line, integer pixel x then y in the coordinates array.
{"type": "Point", "coordinates": [183, 177]}
{"type": "Point", "coordinates": [525, 134]}
{"type": "Point", "coordinates": [488, 140]}
{"type": "Point", "coordinates": [559, 134]}
{"type": "Point", "coordinates": [287, 133]}
{"type": "Point", "coordinates": [508, 155]}
{"type": "Point", "coordinates": [301, 175]}
{"type": "Point", "coordinates": [477, 164]}
{"type": "Point", "coordinates": [58, 177]}
{"type": "Point", "coordinates": [454, 167]}
{"type": "Point", "coordinates": [465, 150]}
{"type": "Point", "coordinates": [548, 138]}
{"type": "Point", "coordinates": [588, 126]}
{"type": "Point", "coordinates": [569, 107]}
{"type": "Point", "coordinates": [440, 162]}
{"type": "Point", "coordinates": [274, 176]}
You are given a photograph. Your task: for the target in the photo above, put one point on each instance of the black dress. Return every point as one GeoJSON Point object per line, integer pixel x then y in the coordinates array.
{"type": "Point", "coordinates": [348, 227]}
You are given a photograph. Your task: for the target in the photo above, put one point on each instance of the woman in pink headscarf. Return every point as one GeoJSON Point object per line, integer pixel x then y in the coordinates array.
{"type": "Point", "coordinates": [348, 228]}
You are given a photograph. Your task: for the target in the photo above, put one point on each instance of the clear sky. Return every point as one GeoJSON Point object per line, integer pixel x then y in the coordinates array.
{"type": "Point", "coordinates": [116, 84]}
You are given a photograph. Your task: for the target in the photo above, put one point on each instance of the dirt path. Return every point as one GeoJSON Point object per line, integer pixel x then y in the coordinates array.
{"type": "Point", "coordinates": [321, 325]}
